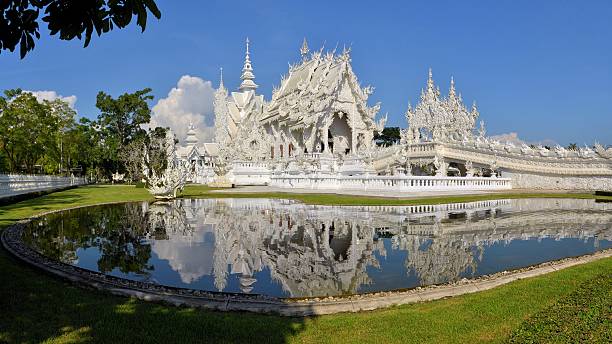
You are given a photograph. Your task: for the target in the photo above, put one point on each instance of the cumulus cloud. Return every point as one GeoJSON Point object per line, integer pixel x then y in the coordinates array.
{"type": "Point", "coordinates": [513, 138]}
{"type": "Point", "coordinates": [509, 137]}
{"type": "Point", "coordinates": [52, 95]}
{"type": "Point", "coordinates": [191, 101]}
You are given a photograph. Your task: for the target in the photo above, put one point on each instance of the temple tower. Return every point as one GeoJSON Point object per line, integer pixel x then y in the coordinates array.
{"type": "Point", "coordinates": [192, 138]}
{"type": "Point", "coordinates": [248, 83]}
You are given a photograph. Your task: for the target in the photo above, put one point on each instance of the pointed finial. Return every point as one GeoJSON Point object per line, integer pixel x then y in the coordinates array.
{"type": "Point", "coordinates": [247, 76]}
{"type": "Point", "coordinates": [430, 82]}
{"type": "Point", "coordinates": [221, 85]}
{"type": "Point", "coordinates": [451, 92]}
{"type": "Point", "coordinates": [304, 50]}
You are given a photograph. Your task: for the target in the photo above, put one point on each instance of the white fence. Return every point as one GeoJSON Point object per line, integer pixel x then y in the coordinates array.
{"type": "Point", "coordinates": [250, 173]}
{"type": "Point", "coordinates": [390, 183]}
{"type": "Point", "coordinates": [17, 184]}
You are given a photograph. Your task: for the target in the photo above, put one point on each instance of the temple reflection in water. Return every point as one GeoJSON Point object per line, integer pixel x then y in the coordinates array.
{"type": "Point", "coordinates": [321, 250]}
{"type": "Point", "coordinates": [292, 249]}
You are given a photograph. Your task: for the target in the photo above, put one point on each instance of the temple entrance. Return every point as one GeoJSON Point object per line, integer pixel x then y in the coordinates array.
{"type": "Point", "coordinates": [339, 135]}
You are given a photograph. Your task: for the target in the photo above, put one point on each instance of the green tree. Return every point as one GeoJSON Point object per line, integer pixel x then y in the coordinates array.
{"type": "Point", "coordinates": [120, 122]}
{"type": "Point", "coordinates": [31, 130]}
{"type": "Point", "coordinates": [389, 136]}
{"type": "Point", "coordinates": [81, 146]}
{"type": "Point", "coordinates": [19, 19]}
{"type": "Point", "coordinates": [572, 146]}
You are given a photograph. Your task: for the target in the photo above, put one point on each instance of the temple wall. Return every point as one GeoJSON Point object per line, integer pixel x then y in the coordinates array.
{"type": "Point", "coordinates": [523, 180]}
{"type": "Point", "coordinates": [17, 184]}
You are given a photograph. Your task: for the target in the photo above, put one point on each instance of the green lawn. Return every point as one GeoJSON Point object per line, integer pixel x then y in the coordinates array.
{"type": "Point", "coordinates": [200, 191]}
{"type": "Point", "coordinates": [35, 307]}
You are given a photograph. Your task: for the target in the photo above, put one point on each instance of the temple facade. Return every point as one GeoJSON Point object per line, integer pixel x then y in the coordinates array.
{"type": "Point", "coordinates": [317, 132]}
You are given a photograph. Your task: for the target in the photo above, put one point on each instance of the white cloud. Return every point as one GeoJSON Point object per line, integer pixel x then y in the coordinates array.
{"type": "Point", "coordinates": [191, 101]}
{"type": "Point", "coordinates": [513, 138]}
{"type": "Point", "coordinates": [509, 137]}
{"type": "Point", "coordinates": [52, 95]}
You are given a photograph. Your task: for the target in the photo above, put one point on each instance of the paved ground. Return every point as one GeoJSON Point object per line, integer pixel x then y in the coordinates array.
{"type": "Point", "coordinates": [259, 189]}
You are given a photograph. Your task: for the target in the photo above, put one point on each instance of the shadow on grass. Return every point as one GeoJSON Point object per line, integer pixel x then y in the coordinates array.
{"type": "Point", "coordinates": [37, 307]}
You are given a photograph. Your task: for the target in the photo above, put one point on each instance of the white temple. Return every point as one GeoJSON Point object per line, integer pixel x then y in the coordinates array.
{"type": "Point", "coordinates": [317, 132]}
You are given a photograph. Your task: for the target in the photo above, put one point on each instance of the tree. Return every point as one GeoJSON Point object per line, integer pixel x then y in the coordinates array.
{"type": "Point", "coordinates": [572, 146]}
{"type": "Point", "coordinates": [120, 122]}
{"type": "Point", "coordinates": [30, 129]}
{"type": "Point", "coordinates": [389, 136]}
{"type": "Point", "coordinates": [19, 19]}
{"type": "Point", "coordinates": [82, 146]}
{"type": "Point", "coordinates": [131, 157]}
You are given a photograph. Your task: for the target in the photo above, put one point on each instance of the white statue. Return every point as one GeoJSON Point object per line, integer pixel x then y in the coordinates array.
{"type": "Point", "coordinates": [469, 169]}
{"type": "Point", "coordinates": [118, 177]}
{"type": "Point", "coordinates": [165, 184]}
{"type": "Point", "coordinates": [441, 166]}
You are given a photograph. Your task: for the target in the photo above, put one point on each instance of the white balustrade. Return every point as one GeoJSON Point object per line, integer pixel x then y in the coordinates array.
{"type": "Point", "coordinates": [16, 184]}
{"type": "Point", "coordinates": [390, 183]}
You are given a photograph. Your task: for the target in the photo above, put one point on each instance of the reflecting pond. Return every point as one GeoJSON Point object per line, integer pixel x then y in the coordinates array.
{"type": "Point", "coordinates": [289, 249]}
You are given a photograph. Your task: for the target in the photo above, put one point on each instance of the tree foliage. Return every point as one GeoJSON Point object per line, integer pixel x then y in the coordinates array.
{"type": "Point", "coordinates": [388, 137]}
{"type": "Point", "coordinates": [31, 130]}
{"type": "Point", "coordinates": [120, 123]}
{"type": "Point", "coordinates": [19, 19]}
{"type": "Point", "coordinates": [44, 136]}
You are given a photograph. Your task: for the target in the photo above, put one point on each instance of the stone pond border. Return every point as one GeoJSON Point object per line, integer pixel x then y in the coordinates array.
{"type": "Point", "coordinates": [12, 241]}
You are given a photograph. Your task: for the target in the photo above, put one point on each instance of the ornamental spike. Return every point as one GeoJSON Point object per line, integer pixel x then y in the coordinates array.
{"type": "Point", "coordinates": [304, 50]}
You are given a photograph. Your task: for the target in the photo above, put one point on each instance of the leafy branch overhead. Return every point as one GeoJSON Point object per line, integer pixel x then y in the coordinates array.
{"type": "Point", "coordinates": [19, 19]}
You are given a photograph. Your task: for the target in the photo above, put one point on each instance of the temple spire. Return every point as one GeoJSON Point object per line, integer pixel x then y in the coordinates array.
{"type": "Point", "coordinates": [304, 50]}
{"type": "Point", "coordinates": [430, 82]}
{"type": "Point", "coordinates": [451, 92]}
{"type": "Point", "coordinates": [221, 85]}
{"type": "Point", "coordinates": [247, 72]}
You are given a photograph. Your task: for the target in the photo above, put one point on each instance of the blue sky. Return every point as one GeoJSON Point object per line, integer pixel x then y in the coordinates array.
{"type": "Point", "coordinates": [539, 68]}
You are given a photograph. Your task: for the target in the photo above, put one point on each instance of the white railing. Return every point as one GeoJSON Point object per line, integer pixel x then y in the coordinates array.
{"type": "Point", "coordinates": [390, 183]}
{"type": "Point", "coordinates": [250, 173]}
{"type": "Point", "coordinates": [16, 184]}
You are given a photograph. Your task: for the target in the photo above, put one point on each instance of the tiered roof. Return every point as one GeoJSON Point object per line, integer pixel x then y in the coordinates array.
{"type": "Point", "coordinates": [314, 86]}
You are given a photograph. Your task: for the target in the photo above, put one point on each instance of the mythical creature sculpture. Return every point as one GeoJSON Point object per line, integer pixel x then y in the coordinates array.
{"type": "Point", "coordinates": [166, 183]}
{"type": "Point", "coordinates": [603, 152]}
{"type": "Point", "coordinates": [469, 169]}
{"type": "Point", "coordinates": [403, 161]}
{"type": "Point", "coordinates": [441, 166]}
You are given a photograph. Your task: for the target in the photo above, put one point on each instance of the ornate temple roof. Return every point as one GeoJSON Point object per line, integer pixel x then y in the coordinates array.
{"type": "Point", "coordinates": [314, 85]}
{"type": "Point", "coordinates": [440, 118]}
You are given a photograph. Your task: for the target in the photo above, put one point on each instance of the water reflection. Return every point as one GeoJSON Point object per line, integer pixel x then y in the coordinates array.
{"type": "Point", "coordinates": [284, 248]}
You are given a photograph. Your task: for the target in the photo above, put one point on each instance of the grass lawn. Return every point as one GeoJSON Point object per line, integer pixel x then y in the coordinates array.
{"type": "Point", "coordinates": [201, 191]}
{"type": "Point", "coordinates": [35, 307]}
